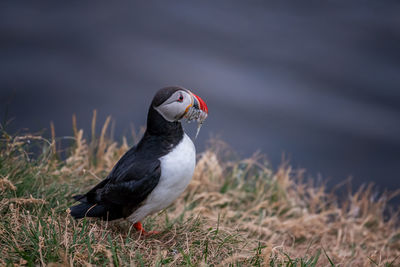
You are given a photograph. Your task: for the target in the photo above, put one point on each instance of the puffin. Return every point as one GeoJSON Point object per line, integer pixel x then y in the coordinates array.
{"type": "Point", "coordinates": [153, 173]}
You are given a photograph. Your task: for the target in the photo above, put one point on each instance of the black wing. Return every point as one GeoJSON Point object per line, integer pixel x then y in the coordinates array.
{"type": "Point", "coordinates": [133, 186]}
{"type": "Point", "coordinates": [128, 184]}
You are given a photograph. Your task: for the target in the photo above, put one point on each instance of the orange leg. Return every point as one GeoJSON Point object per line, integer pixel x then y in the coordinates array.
{"type": "Point", "coordinates": [138, 226]}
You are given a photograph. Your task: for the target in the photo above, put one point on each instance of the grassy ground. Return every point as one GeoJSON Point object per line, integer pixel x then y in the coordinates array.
{"type": "Point", "coordinates": [234, 213]}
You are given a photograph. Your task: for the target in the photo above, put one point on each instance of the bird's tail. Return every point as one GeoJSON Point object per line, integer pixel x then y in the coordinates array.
{"type": "Point", "coordinates": [85, 209]}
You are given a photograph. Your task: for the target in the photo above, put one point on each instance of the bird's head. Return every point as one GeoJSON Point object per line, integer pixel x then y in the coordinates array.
{"type": "Point", "coordinates": [177, 103]}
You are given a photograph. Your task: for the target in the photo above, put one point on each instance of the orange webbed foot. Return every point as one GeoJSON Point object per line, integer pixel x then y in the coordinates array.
{"type": "Point", "coordinates": [138, 226]}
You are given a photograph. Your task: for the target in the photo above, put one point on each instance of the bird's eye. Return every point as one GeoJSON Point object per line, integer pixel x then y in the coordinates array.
{"type": "Point", "coordinates": [180, 99]}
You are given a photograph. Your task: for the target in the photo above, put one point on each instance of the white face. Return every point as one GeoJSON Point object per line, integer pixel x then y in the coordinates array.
{"type": "Point", "coordinates": [175, 107]}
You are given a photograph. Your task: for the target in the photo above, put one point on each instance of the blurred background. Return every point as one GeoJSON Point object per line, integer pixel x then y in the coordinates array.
{"type": "Point", "coordinates": [316, 81]}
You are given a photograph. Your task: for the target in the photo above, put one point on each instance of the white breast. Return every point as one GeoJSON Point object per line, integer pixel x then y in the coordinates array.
{"type": "Point", "coordinates": [177, 169]}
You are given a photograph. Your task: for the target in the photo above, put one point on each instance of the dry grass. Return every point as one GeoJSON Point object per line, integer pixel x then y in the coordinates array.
{"type": "Point", "coordinates": [234, 212]}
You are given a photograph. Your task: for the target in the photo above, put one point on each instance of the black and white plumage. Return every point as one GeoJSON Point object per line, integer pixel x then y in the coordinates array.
{"type": "Point", "coordinates": [152, 174]}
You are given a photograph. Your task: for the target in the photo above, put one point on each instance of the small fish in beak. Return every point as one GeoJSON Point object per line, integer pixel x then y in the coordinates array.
{"type": "Point", "coordinates": [197, 111]}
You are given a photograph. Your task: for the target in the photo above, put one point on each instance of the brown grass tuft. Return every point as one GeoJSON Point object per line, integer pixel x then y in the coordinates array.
{"type": "Point", "coordinates": [6, 184]}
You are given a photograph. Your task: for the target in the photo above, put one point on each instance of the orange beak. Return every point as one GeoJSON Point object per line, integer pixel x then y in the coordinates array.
{"type": "Point", "coordinates": [199, 103]}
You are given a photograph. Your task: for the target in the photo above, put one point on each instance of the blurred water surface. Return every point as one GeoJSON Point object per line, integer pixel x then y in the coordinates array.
{"type": "Point", "coordinates": [317, 81]}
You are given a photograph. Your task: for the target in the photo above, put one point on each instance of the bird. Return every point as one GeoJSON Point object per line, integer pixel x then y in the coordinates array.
{"type": "Point", "coordinates": [153, 173]}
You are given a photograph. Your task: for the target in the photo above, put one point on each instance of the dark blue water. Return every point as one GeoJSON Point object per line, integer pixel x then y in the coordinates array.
{"type": "Point", "coordinates": [319, 82]}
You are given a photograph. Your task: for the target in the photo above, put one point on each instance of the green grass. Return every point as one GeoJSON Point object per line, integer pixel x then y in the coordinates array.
{"type": "Point", "coordinates": [236, 212]}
